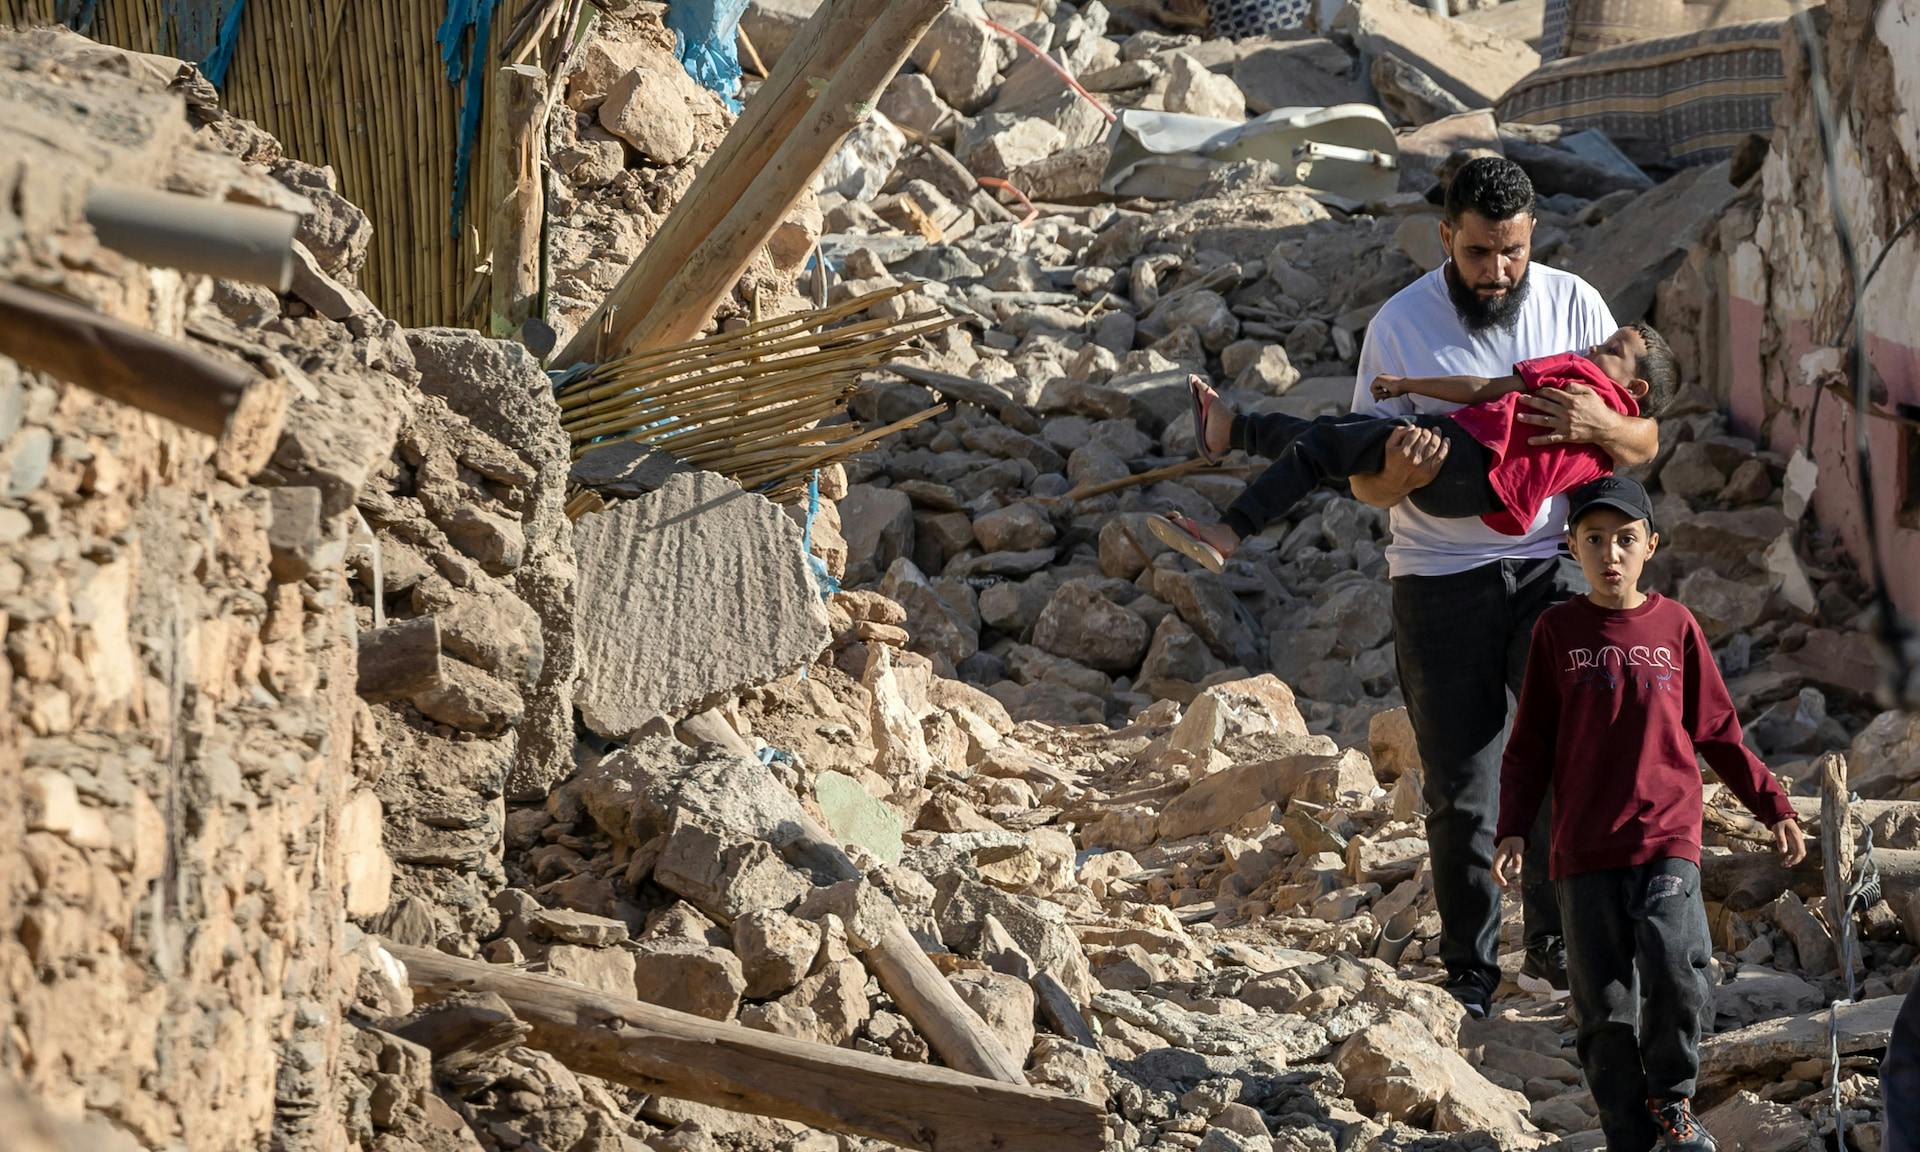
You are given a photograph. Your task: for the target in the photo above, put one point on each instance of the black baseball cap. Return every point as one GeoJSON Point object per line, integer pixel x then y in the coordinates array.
{"type": "Point", "coordinates": [1617, 492]}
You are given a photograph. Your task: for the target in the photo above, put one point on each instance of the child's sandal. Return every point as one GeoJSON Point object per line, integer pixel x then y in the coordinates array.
{"type": "Point", "coordinates": [1177, 532]}
{"type": "Point", "coordinates": [1201, 404]}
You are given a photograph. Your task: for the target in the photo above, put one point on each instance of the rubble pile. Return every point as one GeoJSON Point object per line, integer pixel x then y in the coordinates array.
{"type": "Point", "coordinates": [624, 143]}
{"type": "Point", "coordinates": [1026, 788]}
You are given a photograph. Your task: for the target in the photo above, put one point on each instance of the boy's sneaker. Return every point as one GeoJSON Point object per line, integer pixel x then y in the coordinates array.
{"type": "Point", "coordinates": [1474, 991]}
{"type": "Point", "coordinates": [1680, 1131]}
{"type": "Point", "coordinates": [1547, 962]}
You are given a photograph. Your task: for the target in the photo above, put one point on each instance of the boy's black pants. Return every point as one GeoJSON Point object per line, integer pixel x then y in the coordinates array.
{"type": "Point", "coordinates": [1637, 955]}
{"type": "Point", "coordinates": [1308, 453]}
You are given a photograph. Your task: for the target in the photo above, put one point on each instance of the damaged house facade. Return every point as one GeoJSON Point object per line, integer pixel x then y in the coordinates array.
{"type": "Point", "coordinates": [748, 708]}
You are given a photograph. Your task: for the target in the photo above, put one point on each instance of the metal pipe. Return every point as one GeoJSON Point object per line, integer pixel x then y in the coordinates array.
{"type": "Point", "coordinates": [215, 237]}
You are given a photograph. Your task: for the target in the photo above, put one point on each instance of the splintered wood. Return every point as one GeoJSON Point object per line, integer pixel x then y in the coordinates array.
{"type": "Point", "coordinates": [727, 1066]}
{"type": "Point", "coordinates": [759, 405]}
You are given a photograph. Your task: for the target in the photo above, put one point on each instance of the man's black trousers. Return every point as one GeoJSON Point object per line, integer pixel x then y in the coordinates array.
{"type": "Point", "coordinates": [1460, 644]}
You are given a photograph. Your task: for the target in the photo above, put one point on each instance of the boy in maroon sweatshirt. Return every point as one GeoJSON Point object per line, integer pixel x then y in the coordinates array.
{"type": "Point", "coordinates": [1621, 691]}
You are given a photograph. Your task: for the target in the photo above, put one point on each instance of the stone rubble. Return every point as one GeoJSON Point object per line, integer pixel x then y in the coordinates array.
{"type": "Point", "coordinates": [1115, 796]}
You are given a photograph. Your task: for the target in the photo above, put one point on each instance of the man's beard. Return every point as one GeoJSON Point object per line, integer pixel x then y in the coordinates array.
{"type": "Point", "coordinates": [1479, 312]}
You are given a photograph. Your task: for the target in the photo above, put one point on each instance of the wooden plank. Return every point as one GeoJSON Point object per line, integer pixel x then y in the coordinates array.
{"type": "Point", "coordinates": [774, 112]}
{"type": "Point", "coordinates": [47, 333]}
{"type": "Point", "coordinates": [1773, 1044]}
{"type": "Point", "coordinates": [467, 1031]}
{"type": "Point", "coordinates": [902, 967]}
{"type": "Point", "coordinates": [686, 302]}
{"type": "Point", "coordinates": [770, 119]}
{"type": "Point", "coordinates": [952, 1028]}
{"type": "Point", "coordinates": [962, 390]}
{"type": "Point", "coordinates": [675, 1054]}
{"type": "Point", "coordinates": [1836, 861]}
{"type": "Point", "coordinates": [1747, 880]}
{"type": "Point", "coordinates": [521, 92]}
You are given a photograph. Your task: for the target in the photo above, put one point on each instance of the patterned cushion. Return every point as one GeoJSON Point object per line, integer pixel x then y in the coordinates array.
{"type": "Point", "coordinates": [1675, 102]}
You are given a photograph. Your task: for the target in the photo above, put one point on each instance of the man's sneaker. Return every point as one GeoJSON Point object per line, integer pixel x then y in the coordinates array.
{"type": "Point", "coordinates": [1680, 1131]}
{"type": "Point", "coordinates": [1547, 961]}
{"type": "Point", "coordinates": [1472, 990]}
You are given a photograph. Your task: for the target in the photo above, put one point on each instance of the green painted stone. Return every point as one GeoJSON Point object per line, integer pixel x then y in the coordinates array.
{"type": "Point", "coordinates": [857, 818]}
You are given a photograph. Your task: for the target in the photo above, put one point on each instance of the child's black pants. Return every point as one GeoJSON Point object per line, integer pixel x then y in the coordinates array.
{"type": "Point", "coordinates": [1637, 956]}
{"type": "Point", "coordinates": [1308, 453]}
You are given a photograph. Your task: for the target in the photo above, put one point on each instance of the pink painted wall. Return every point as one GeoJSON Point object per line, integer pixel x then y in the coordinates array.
{"type": "Point", "coordinates": [1836, 500]}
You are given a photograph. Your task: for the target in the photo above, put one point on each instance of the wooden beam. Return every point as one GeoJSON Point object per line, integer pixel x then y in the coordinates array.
{"type": "Point", "coordinates": [399, 661]}
{"type": "Point", "coordinates": [1894, 822]}
{"type": "Point", "coordinates": [48, 333]}
{"type": "Point", "coordinates": [775, 111]}
{"type": "Point", "coordinates": [466, 1031]}
{"type": "Point", "coordinates": [962, 390]}
{"type": "Point", "coordinates": [519, 132]}
{"type": "Point", "coordinates": [727, 1066]}
{"type": "Point", "coordinates": [688, 300]}
{"type": "Point", "coordinates": [754, 178]}
{"type": "Point", "coordinates": [1747, 880]}
{"type": "Point", "coordinates": [954, 1030]}
{"type": "Point", "coordinates": [1758, 1049]}
{"type": "Point", "coordinates": [1836, 859]}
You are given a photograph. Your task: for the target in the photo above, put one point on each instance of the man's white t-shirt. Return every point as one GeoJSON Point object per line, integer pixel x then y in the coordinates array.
{"type": "Point", "coordinates": [1418, 333]}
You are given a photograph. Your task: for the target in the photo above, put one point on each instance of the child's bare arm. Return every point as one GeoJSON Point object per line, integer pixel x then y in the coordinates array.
{"type": "Point", "coordinates": [1452, 389]}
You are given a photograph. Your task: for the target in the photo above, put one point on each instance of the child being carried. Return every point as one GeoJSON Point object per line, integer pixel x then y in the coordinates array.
{"type": "Point", "coordinates": [1491, 467]}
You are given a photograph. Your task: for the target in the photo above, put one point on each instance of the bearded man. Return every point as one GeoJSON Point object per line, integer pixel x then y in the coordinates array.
{"type": "Point", "coordinates": [1465, 597]}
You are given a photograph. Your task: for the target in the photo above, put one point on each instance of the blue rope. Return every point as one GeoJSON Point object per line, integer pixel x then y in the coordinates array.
{"type": "Point", "coordinates": [821, 577]}
{"type": "Point", "coordinates": [203, 30]}
{"type": "Point", "coordinates": [77, 14]}
{"type": "Point", "coordinates": [771, 755]}
{"type": "Point", "coordinates": [464, 16]}
{"type": "Point", "coordinates": [216, 64]}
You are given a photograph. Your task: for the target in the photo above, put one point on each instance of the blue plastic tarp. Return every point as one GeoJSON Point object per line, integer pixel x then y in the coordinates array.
{"type": "Point", "coordinates": [705, 41]}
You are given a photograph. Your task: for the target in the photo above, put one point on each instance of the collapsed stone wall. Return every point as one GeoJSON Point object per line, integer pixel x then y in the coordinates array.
{"type": "Point", "coordinates": [181, 833]}
{"type": "Point", "coordinates": [469, 527]}
{"type": "Point", "coordinates": [1789, 293]}
{"type": "Point", "coordinates": [193, 796]}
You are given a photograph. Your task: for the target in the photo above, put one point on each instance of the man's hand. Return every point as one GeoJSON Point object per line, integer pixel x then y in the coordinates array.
{"type": "Point", "coordinates": [1789, 842]}
{"type": "Point", "coordinates": [1575, 414]}
{"type": "Point", "coordinates": [1506, 861]}
{"type": "Point", "coordinates": [1414, 456]}
{"type": "Point", "coordinates": [1387, 387]}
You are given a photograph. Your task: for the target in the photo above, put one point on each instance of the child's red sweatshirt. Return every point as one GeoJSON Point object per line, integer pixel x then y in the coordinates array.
{"type": "Point", "coordinates": [1524, 474]}
{"type": "Point", "coordinates": [1615, 705]}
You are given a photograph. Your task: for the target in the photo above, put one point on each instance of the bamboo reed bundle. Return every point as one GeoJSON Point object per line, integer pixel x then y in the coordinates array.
{"type": "Point", "coordinates": [361, 87]}
{"type": "Point", "coordinates": [761, 403]}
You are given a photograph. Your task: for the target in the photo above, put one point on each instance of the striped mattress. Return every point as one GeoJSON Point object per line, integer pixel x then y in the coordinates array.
{"type": "Point", "coordinates": [1675, 102]}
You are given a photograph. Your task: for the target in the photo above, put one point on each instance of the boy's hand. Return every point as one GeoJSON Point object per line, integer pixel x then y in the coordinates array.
{"type": "Point", "coordinates": [1387, 387]}
{"type": "Point", "coordinates": [1506, 861]}
{"type": "Point", "coordinates": [1790, 842]}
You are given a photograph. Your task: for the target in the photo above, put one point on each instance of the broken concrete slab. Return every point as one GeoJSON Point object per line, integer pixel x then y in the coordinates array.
{"type": "Point", "coordinates": [698, 566]}
{"type": "Point", "coordinates": [1634, 249]}
{"type": "Point", "coordinates": [1312, 73]}
{"type": "Point", "coordinates": [1425, 149]}
{"type": "Point", "coordinates": [626, 469]}
{"type": "Point", "coordinates": [1474, 65]}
